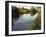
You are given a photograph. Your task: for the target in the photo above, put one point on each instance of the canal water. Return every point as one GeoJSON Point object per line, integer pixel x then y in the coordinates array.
{"type": "Point", "coordinates": [22, 23]}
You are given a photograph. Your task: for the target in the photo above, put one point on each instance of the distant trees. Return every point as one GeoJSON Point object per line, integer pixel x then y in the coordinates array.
{"type": "Point", "coordinates": [24, 10]}
{"type": "Point", "coordinates": [21, 10]}
{"type": "Point", "coordinates": [17, 11]}
{"type": "Point", "coordinates": [33, 11]}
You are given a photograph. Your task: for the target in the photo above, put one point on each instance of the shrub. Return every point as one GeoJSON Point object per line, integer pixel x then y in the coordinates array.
{"type": "Point", "coordinates": [36, 24]}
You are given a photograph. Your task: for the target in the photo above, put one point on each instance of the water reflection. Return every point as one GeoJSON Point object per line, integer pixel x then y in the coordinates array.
{"type": "Point", "coordinates": [23, 22]}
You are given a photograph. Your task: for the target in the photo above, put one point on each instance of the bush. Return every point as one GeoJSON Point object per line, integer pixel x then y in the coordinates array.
{"type": "Point", "coordinates": [36, 24]}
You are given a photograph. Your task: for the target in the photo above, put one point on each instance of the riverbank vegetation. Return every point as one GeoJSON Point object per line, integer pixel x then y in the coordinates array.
{"type": "Point", "coordinates": [36, 24]}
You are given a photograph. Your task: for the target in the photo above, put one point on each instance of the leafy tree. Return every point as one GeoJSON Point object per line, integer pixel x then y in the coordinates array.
{"type": "Point", "coordinates": [15, 12]}
{"type": "Point", "coordinates": [33, 11]}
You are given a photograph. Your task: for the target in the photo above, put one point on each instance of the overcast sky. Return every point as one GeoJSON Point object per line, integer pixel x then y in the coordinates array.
{"type": "Point", "coordinates": [25, 5]}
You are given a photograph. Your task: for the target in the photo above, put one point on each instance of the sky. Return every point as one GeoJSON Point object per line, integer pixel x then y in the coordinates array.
{"type": "Point", "coordinates": [25, 5]}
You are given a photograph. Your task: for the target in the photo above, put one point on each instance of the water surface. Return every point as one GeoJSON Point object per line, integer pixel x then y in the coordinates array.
{"type": "Point", "coordinates": [22, 23]}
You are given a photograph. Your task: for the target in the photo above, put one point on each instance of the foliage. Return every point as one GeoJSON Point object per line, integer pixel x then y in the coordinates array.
{"type": "Point", "coordinates": [33, 11]}
{"type": "Point", "coordinates": [15, 12]}
{"type": "Point", "coordinates": [36, 24]}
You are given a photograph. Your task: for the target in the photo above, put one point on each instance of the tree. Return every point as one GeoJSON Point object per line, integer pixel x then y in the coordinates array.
{"type": "Point", "coordinates": [33, 11]}
{"type": "Point", "coordinates": [15, 12]}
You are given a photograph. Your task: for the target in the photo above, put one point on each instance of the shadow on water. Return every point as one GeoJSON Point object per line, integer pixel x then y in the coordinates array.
{"type": "Point", "coordinates": [15, 13]}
